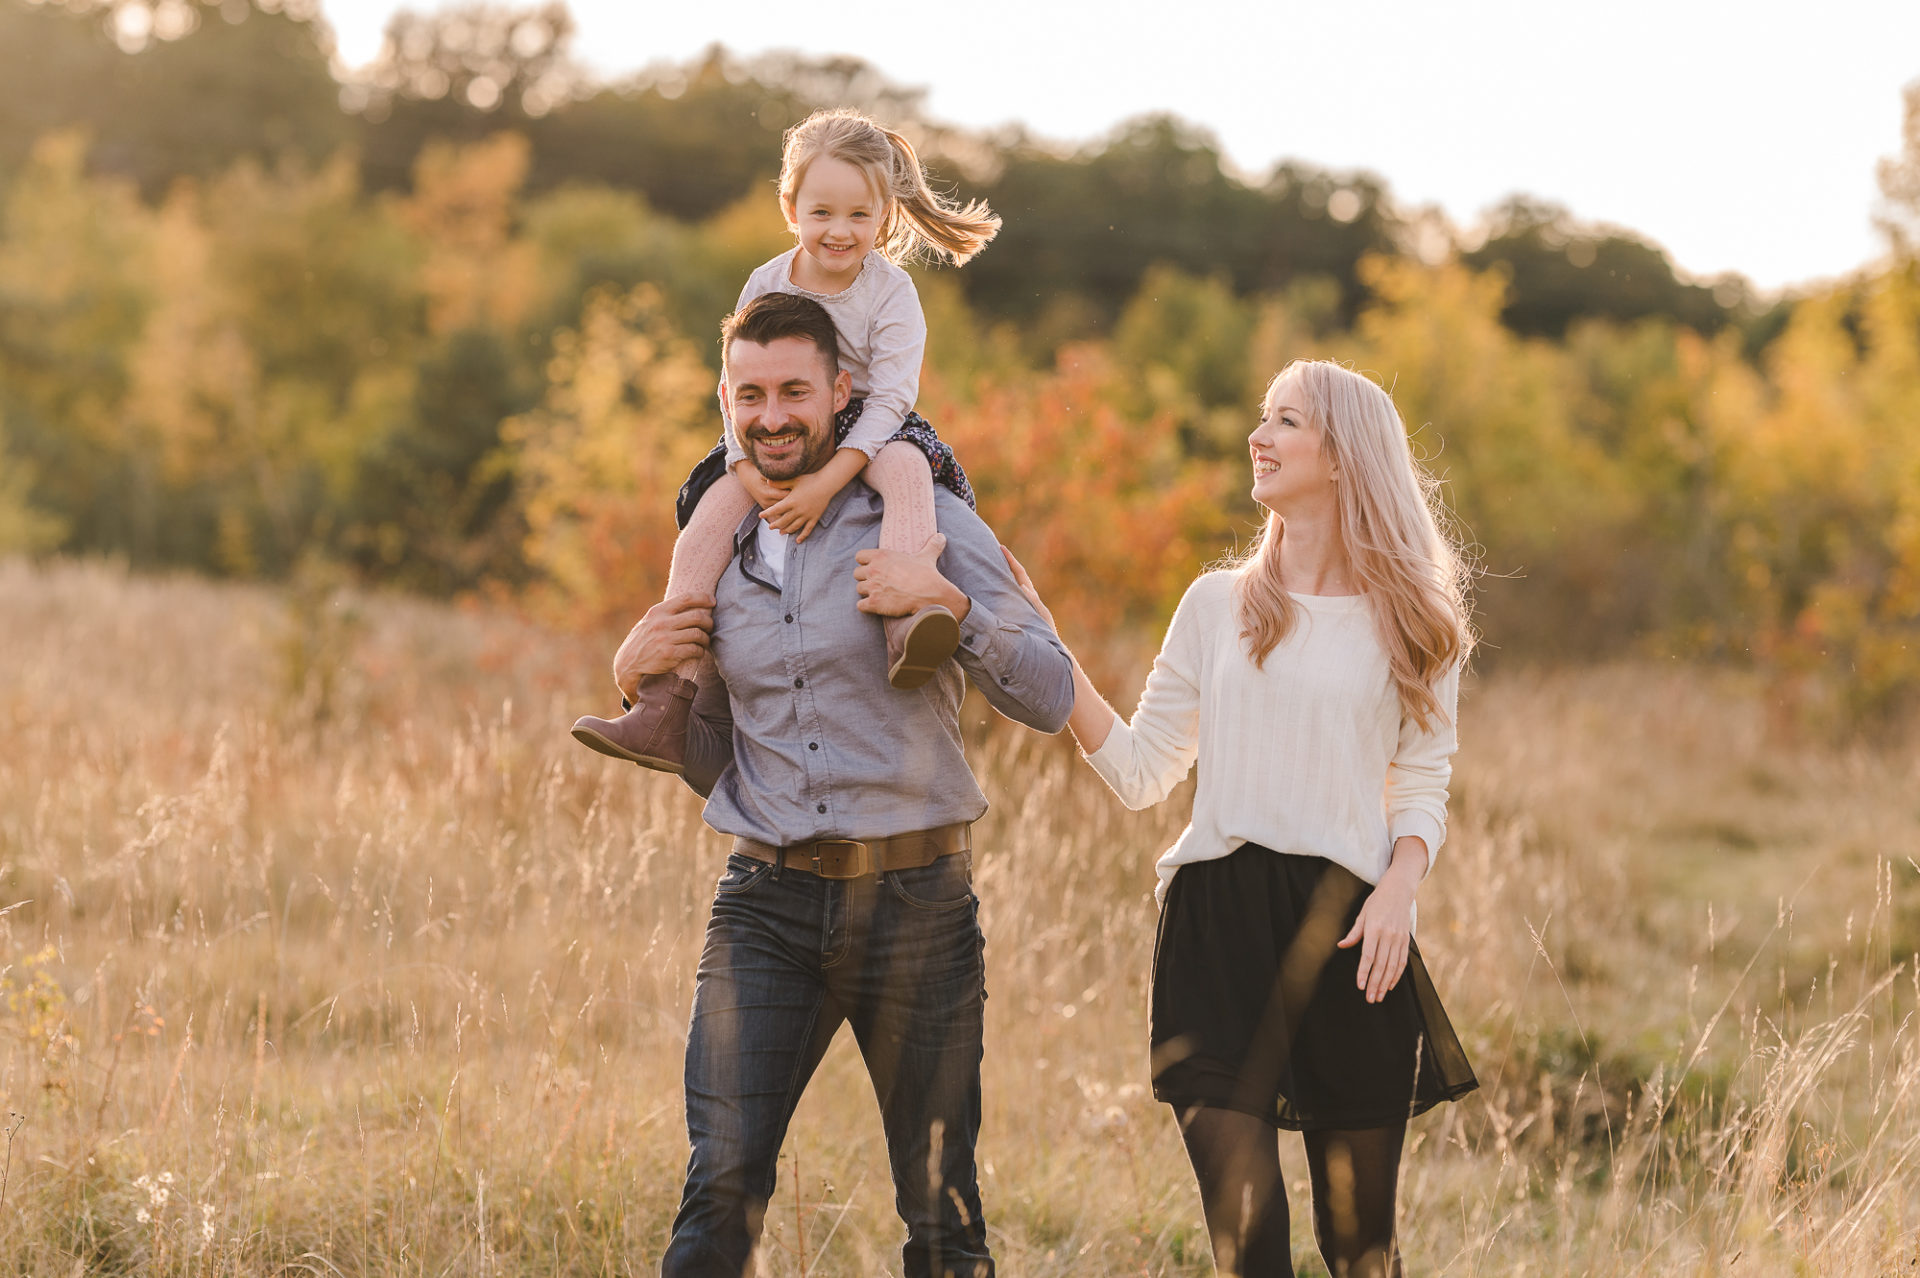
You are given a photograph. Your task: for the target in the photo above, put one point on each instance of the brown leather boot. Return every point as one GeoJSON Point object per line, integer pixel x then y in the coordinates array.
{"type": "Point", "coordinates": [654, 733]}
{"type": "Point", "coordinates": [919, 645]}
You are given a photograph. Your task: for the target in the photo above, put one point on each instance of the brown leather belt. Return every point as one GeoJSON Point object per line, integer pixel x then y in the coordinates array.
{"type": "Point", "coordinates": [852, 858]}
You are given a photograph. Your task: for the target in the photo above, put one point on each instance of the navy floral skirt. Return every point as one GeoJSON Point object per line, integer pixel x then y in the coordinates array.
{"type": "Point", "coordinates": [915, 430]}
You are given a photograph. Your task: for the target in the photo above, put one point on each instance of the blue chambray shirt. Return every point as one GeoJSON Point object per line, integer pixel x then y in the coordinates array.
{"type": "Point", "coordinates": [804, 738]}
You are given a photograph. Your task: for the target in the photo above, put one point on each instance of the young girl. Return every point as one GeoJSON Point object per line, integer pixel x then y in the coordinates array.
{"type": "Point", "coordinates": [1315, 685]}
{"type": "Point", "coordinates": [857, 200]}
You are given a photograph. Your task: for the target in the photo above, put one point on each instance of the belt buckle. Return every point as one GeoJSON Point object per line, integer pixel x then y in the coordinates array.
{"type": "Point", "coordinates": [836, 853]}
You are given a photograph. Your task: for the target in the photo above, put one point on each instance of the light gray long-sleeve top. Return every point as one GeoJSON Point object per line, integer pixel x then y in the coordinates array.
{"type": "Point", "coordinates": [883, 339]}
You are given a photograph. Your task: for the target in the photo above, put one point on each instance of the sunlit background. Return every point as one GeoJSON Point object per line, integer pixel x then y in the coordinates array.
{"type": "Point", "coordinates": [1739, 137]}
{"type": "Point", "coordinates": [350, 360]}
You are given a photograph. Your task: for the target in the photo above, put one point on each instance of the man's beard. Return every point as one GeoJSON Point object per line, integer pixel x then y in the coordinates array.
{"type": "Point", "coordinates": [816, 447]}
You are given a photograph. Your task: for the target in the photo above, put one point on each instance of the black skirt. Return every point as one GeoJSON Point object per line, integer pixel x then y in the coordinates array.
{"type": "Point", "coordinates": [1255, 1008]}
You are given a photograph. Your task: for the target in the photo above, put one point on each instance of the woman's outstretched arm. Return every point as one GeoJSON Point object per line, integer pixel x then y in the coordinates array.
{"type": "Point", "coordinates": [1144, 759]}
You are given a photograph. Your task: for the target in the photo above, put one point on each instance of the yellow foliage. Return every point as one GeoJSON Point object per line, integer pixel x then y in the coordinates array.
{"type": "Point", "coordinates": [629, 408]}
{"type": "Point", "coordinates": [462, 207]}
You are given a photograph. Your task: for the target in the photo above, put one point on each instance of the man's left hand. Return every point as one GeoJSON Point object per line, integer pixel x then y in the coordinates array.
{"type": "Point", "coordinates": [895, 585]}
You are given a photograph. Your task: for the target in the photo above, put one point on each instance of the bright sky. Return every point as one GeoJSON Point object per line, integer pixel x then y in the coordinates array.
{"type": "Point", "coordinates": [1740, 135]}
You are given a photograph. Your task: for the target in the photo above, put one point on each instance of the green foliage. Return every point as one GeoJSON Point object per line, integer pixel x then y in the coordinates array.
{"type": "Point", "coordinates": [480, 354]}
{"type": "Point", "coordinates": [239, 81]}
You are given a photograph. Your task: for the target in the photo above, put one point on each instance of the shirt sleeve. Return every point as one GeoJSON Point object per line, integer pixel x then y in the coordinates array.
{"type": "Point", "coordinates": [897, 349]}
{"type": "Point", "coordinates": [1009, 652]}
{"type": "Point", "coordinates": [736, 454]}
{"type": "Point", "coordinates": [1416, 792]}
{"type": "Point", "coordinates": [709, 751]}
{"type": "Point", "coordinates": [1143, 759]}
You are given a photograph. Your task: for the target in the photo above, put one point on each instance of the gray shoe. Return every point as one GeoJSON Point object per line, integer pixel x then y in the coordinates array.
{"type": "Point", "coordinates": [654, 733]}
{"type": "Point", "coordinates": [919, 645]}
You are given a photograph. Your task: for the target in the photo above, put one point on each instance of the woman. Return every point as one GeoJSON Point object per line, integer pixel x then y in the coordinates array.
{"type": "Point", "coordinates": [1315, 682]}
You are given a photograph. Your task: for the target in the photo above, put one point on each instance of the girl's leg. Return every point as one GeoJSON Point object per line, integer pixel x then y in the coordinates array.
{"type": "Point", "coordinates": [900, 474]}
{"type": "Point", "coordinates": [1356, 1175]}
{"type": "Point", "coordinates": [705, 548]}
{"type": "Point", "coordinates": [919, 645]}
{"type": "Point", "coordinates": [1236, 1158]}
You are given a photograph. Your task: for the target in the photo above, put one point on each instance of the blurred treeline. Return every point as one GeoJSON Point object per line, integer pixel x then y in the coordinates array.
{"type": "Point", "coordinates": [449, 320]}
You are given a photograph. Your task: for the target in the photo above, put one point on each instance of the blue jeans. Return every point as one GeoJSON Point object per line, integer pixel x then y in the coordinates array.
{"type": "Point", "coordinates": [790, 956]}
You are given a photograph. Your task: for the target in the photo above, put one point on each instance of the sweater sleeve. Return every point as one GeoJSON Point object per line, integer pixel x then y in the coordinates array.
{"type": "Point", "coordinates": [1143, 759]}
{"type": "Point", "coordinates": [1416, 792]}
{"type": "Point", "coordinates": [898, 346]}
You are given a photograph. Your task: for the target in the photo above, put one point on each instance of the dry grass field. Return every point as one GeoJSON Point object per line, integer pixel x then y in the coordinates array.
{"type": "Point", "coordinates": [328, 952]}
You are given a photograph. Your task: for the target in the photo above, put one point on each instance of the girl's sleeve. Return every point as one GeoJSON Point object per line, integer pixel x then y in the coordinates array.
{"type": "Point", "coordinates": [735, 453]}
{"type": "Point", "coordinates": [1143, 759]}
{"type": "Point", "coordinates": [1422, 766]}
{"type": "Point", "coordinates": [893, 368]}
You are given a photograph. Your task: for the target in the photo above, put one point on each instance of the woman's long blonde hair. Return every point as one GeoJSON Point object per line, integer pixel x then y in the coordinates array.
{"type": "Point", "coordinates": [917, 221]}
{"type": "Point", "coordinates": [1392, 528]}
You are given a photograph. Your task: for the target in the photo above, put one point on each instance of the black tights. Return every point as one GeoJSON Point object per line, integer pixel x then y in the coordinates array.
{"type": "Point", "coordinates": [1236, 1158]}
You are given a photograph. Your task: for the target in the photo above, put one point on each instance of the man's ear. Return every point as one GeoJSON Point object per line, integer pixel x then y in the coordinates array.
{"type": "Point", "coordinates": [721, 394]}
{"type": "Point", "coordinates": [842, 389]}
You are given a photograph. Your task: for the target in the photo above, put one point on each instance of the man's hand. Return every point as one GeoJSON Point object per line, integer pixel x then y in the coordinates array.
{"type": "Point", "coordinates": [895, 585]}
{"type": "Point", "coordinates": [672, 632]}
{"type": "Point", "coordinates": [763, 490]}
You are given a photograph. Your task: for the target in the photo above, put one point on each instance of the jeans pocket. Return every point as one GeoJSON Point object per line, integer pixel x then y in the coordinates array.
{"type": "Point", "coordinates": [743, 874]}
{"type": "Point", "coordinates": [947, 884]}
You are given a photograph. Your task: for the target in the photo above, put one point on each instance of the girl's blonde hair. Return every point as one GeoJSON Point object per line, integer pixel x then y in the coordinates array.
{"type": "Point", "coordinates": [917, 221]}
{"type": "Point", "coordinates": [1391, 526]}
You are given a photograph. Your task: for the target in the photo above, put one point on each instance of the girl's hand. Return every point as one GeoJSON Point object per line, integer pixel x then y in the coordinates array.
{"type": "Point", "coordinates": [800, 508]}
{"type": "Point", "coordinates": [763, 490]}
{"type": "Point", "coordinates": [1383, 932]}
{"type": "Point", "coordinates": [1025, 583]}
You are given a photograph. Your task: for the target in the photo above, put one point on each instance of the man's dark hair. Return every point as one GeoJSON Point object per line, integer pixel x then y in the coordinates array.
{"type": "Point", "coordinates": [772, 316]}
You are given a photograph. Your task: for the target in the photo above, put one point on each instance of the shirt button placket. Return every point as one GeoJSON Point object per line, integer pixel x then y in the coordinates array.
{"type": "Point", "coordinates": [804, 707]}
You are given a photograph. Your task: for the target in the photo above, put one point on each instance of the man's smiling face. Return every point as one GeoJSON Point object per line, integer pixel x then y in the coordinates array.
{"type": "Point", "coordinates": [782, 401]}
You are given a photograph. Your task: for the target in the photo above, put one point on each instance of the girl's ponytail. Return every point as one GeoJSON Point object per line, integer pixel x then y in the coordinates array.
{"type": "Point", "coordinates": [919, 222]}
{"type": "Point", "coordinates": [926, 222]}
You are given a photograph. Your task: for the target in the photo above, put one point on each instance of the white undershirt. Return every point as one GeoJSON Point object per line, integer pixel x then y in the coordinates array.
{"type": "Point", "coordinates": [773, 553]}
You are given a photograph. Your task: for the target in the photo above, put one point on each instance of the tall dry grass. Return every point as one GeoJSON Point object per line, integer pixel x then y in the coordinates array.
{"type": "Point", "coordinates": [328, 952]}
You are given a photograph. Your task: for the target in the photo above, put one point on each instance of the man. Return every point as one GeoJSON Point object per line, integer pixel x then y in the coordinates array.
{"type": "Point", "coordinates": [848, 894]}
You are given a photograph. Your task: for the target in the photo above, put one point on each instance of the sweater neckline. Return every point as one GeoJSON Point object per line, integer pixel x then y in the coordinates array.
{"type": "Point", "coordinates": [786, 279]}
{"type": "Point", "coordinates": [1328, 603]}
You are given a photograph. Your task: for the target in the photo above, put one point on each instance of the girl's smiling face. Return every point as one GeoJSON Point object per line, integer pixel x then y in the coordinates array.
{"type": "Point", "coordinates": [1289, 463]}
{"type": "Point", "coordinates": [836, 215]}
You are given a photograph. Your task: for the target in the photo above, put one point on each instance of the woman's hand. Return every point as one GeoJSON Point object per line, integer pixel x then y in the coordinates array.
{"type": "Point", "coordinates": [1384, 930]}
{"type": "Point", "coordinates": [1025, 583]}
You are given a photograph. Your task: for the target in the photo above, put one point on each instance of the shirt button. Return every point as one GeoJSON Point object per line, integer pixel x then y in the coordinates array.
{"type": "Point", "coordinates": [1004, 681]}
{"type": "Point", "coordinates": [789, 618]}
{"type": "Point", "coordinates": [820, 807]}
{"type": "Point", "coordinates": [799, 683]}
{"type": "Point", "coordinates": [813, 745]}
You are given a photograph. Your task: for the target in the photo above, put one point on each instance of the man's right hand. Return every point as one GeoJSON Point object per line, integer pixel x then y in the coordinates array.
{"type": "Point", "coordinates": [672, 632]}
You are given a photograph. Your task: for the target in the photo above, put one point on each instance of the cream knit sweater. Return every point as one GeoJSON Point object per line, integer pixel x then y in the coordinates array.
{"type": "Point", "coordinates": [1310, 755]}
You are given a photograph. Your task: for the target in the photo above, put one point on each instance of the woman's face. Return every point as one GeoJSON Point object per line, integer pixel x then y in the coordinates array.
{"type": "Point", "coordinates": [1290, 468]}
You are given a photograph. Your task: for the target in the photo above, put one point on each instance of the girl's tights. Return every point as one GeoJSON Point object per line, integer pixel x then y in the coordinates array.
{"type": "Point", "coordinates": [1236, 1158]}
{"type": "Point", "coordinates": [898, 472]}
